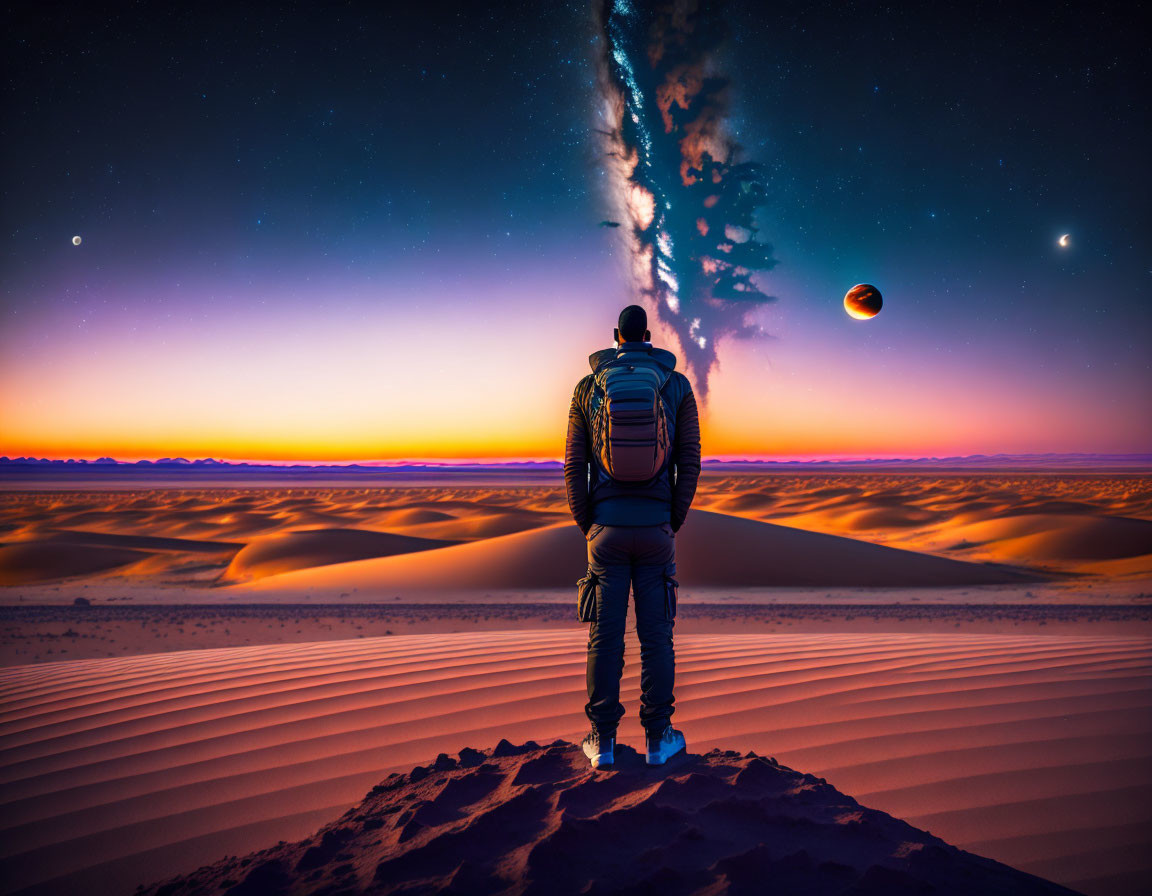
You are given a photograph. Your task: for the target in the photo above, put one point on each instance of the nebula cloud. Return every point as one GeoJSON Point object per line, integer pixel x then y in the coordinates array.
{"type": "Point", "coordinates": [688, 203]}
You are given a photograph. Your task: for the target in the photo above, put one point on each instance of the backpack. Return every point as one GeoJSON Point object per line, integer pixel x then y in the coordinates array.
{"type": "Point", "coordinates": [629, 427]}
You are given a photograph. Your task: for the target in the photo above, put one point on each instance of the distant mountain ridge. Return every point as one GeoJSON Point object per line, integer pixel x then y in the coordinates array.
{"type": "Point", "coordinates": [169, 465]}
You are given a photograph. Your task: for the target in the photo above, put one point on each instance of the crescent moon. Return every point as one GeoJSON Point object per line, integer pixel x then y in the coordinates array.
{"type": "Point", "coordinates": [1063, 241]}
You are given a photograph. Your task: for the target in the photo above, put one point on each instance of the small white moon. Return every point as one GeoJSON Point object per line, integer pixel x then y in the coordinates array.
{"type": "Point", "coordinates": [1063, 241]}
{"type": "Point", "coordinates": [75, 241]}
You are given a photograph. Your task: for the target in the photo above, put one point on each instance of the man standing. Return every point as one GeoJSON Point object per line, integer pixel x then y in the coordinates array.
{"type": "Point", "coordinates": [631, 463]}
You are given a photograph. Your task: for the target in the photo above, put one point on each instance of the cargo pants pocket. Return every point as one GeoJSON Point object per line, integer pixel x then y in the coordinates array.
{"type": "Point", "coordinates": [586, 591]}
{"type": "Point", "coordinates": [671, 591]}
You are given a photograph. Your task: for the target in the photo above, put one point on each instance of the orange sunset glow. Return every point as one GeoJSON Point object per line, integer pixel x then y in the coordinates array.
{"type": "Point", "coordinates": [330, 392]}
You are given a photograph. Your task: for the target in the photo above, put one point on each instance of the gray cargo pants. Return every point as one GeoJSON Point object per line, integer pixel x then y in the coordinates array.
{"type": "Point", "coordinates": [643, 557]}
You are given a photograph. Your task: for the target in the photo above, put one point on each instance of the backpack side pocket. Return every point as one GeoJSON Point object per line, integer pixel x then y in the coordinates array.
{"type": "Point", "coordinates": [671, 591]}
{"type": "Point", "coordinates": [586, 592]}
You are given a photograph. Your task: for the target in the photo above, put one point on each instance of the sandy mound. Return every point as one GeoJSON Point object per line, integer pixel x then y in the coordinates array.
{"type": "Point", "coordinates": [477, 525]}
{"type": "Point", "coordinates": [712, 550]}
{"type": "Point", "coordinates": [49, 554]}
{"type": "Point", "coordinates": [537, 820]}
{"type": "Point", "coordinates": [413, 516]}
{"type": "Point", "coordinates": [888, 518]}
{"type": "Point", "coordinates": [1059, 537]}
{"type": "Point", "coordinates": [43, 561]}
{"type": "Point", "coordinates": [275, 554]}
{"type": "Point", "coordinates": [749, 503]}
{"type": "Point", "coordinates": [138, 542]}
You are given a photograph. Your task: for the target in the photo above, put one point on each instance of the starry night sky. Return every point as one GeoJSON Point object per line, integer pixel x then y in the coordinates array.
{"type": "Point", "coordinates": [352, 231]}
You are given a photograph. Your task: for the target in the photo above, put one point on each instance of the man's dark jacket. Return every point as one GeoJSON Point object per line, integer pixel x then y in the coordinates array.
{"type": "Point", "coordinates": [593, 495]}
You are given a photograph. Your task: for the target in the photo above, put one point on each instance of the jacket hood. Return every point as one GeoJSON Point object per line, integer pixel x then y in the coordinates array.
{"type": "Point", "coordinates": [639, 350]}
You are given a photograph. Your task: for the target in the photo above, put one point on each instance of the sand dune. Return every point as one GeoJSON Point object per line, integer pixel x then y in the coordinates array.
{"type": "Point", "coordinates": [1059, 538]}
{"type": "Point", "coordinates": [274, 554]}
{"type": "Point", "coordinates": [480, 524]}
{"type": "Point", "coordinates": [713, 549]}
{"type": "Point", "coordinates": [528, 819]}
{"type": "Point", "coordinates": [119, 771]}
{"type": "Point", "coordinates": [1092, 525]}
{"type": "Point", "coordinates": [22, 563]}
{"type": "Point", "coordinates": [61, 554]}
{"type": "Point", "coordinates": [1095, 514]}
{"type": "Point", "coordinates": [412, 516]}
{"type": "Point", "coordinates": [138, 542]}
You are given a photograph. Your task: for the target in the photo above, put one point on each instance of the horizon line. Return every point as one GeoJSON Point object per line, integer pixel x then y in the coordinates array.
{"type": "Point", "coordinates": [108, 461]}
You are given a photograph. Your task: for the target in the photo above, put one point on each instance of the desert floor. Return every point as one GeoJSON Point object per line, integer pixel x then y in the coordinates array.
{"type": "Point", "coordinates": [969, 652]}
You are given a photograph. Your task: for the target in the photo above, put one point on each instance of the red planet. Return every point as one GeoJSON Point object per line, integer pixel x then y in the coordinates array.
{"type": "Point", "coordinates": [863, 301]}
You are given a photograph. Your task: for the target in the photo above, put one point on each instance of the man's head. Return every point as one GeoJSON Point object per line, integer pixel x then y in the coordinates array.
{"type": "Point", "coordinates": [632, 326]}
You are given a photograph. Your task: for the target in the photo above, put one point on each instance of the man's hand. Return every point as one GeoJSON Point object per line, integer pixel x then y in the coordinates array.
{"type": "Point", "coordinates": [576, 461]}
{"type": "Point", "coordinates": [687, 459]}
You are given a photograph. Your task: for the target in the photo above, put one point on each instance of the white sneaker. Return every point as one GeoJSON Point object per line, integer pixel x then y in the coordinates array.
{"type": "Point", "coordinates": [599, 750]}
{"type": "Point", "coordinates": [663, 746]}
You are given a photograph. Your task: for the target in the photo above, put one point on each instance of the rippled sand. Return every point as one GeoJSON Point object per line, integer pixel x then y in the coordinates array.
{"type": "Point", "coordinates": [1033, 750]}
